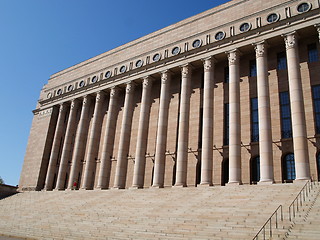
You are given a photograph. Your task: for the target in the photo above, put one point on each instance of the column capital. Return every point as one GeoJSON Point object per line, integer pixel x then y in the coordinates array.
{"type": "Point", "coordinates": [186, 69]}
{"type": "Point", "coordinates": [165, 76]}
{"type": "Point", "coordinates": [99, 96]}
{"type": "Point", "coordinates": [114, 91]}
{"type": "Point", "coordinates": [290, 39]}
{"type": "Point", "coordinates": [233, 57]}
{"type": "Point", "coordinates": [62, 107]}
{"type": "Point", "coordinates": [130, 87]}
{"type": "Point", "coordinates": [147, 82]}
{"type": "Point", "coordinates": [317, 26]}
{"type": "Point", "coordinates": [85, 100]}
{"type": "Point", "coordinates": [73, 103]}
{"type": "Point", "coordinates": [260, 48]}
{"type": "Point", "coordinates": [208, 63]}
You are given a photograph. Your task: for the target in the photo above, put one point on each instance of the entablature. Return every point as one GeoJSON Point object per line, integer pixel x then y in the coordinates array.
{"type": "Point", "coordinates": [260, 26]}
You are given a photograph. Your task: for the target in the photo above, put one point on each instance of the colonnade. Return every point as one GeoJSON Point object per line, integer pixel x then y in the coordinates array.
{"type": "Point", "coordinates": [265, 134]}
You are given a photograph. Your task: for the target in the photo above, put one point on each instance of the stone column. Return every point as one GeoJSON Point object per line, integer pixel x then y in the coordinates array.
{"type": "Point", "coordinates": [317, 26]}
{"type": "Point", "coordinates": [93, 142]}
{"type": "Point", "coordinates": [183, 131]}
{"type": "Point", "coordinates": [162, 129]}
{"type": "Point", "coordinates": [66, 149]}
{"type": "Point", "coordinates": [299, 130]}
{"type": "Point", "coordinates": [79, 145]}
{"type": "Point", "coordinates": [264, 113]}
{"type": "Point", "coordinates": [55, 148]}
{"type": "Point", "coordinates": [207, 123]}
{"type": "Point", "coordinates": [108, 140]}
{"type": "Point", "coordinates": [140, 157]}
{"type": "Point", "coordinates": [124, 142]}
{"type": "Point", "coordinates": [234, 119]}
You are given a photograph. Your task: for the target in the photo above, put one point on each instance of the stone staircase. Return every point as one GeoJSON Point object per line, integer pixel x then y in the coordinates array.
{"type": "Point", "coordinates": [306, 225]}
{"type": "Point", "coordinates": [231, 212]}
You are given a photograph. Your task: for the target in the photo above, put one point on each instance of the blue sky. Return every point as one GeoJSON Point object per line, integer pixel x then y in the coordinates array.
{"type": "Point", "coordinates": [41, 37]}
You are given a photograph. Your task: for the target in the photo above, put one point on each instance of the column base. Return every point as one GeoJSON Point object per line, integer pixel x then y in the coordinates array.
{"type": "Point", "coordinates": [180, 186]}
{"type": "Point", "coordinates": [101, 188]}
{"type": "Point", "coordinates": [157, 186]}
{"type": "Point", "coordinates": [117, 188]}
{"type": "Point", "coordinates": [301, 180]}
{"type": "Point", "coordinates": [265, 182]}
{"type": "Point", "coordinates": [85, 188]}
{"type": "Point", "coordinates": [234, 183]}
{"type": "Point", "coordinates": [135, 187]}
{"type": "Point", "coordinates": [205, 185]}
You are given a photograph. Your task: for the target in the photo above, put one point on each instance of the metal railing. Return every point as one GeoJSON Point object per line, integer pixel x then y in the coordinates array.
{"type": "Point", "coordinates": [267, 229]}
{"type": "Point", "coordinates": [300, 199]}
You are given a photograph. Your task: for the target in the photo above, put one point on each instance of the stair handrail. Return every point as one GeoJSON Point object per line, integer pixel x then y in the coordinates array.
{"type": "Point", "coordinates": [263, 228]}
{"type": "Point", "coordinates": [302, 195]}
{"type": "Point", "coordinates": [295, 207]}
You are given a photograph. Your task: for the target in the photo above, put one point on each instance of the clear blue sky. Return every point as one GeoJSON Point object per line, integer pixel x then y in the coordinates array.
{"type": "Point", "coordinates": [41, 37]}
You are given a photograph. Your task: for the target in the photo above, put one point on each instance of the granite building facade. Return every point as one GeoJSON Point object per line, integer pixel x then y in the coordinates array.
{"type": "Point", "coordinates": [229, 96]}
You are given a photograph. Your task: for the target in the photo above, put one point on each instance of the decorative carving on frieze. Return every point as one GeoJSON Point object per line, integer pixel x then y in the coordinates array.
{"type": "Point", "coordinates": [290, 40]}
{"type": "Point", "coordinates": [233, 57]}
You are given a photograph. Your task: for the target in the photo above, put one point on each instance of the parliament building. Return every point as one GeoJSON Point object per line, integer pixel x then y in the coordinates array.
{"type": "Point", "coordinates": [229, 96]}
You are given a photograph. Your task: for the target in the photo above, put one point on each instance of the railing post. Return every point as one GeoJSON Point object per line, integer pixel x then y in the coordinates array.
{"type": "Point", "coordinates": [269, 221]}
{"type": "Point", "coordinates": [290, 213]}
